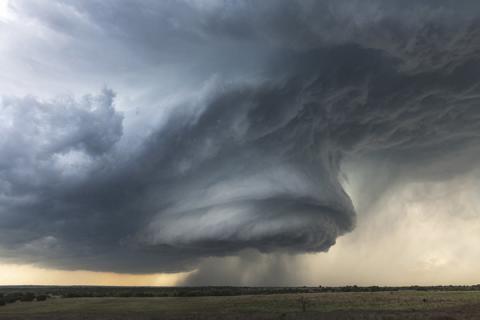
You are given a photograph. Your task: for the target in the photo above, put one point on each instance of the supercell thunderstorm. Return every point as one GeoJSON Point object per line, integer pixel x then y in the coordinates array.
{"type": "Point", "coordinates": [257, 161]}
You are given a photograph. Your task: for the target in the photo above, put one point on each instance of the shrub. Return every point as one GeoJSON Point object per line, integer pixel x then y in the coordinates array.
{"type": "Point", "coordinates": [42, 297]}
{"type": "Point", "coordinates": [12, 297]}
{"type": "Point", "coordinates": [27, 297]}
{"type": "Point", "coordinates": [144, 295]}
{"type": "Point", "coordinates": [2, 302]}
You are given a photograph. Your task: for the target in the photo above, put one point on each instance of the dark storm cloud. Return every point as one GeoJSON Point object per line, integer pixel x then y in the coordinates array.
{"type": "Point", "coordinates": [256, 162]}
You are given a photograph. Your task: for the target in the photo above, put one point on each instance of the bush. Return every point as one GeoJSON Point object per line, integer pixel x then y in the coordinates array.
{"type": "Point", "coordinates": [2, 303]}
{"type": "Point", "coordinates": [42, 297]}
{"type": "Point", "coordinates": [144, 295]}
{"type": "Point", "coordinates": [12, 297]}
{"type": "Point", "coordinates": [27, 297]}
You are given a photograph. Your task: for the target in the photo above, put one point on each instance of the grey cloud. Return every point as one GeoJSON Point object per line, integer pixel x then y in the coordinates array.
{"type": "Point", "coordinates": [34, 131]}
{"type": "Point", "coordinates": [257, 163]}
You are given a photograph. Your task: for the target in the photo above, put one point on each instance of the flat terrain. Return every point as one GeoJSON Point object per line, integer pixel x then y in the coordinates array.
{"type": "Point", "coordinates": [342, 305]}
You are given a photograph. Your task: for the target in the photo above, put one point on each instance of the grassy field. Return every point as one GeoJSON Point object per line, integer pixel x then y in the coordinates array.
{"type": "Point", "coordinates": [346, 305]}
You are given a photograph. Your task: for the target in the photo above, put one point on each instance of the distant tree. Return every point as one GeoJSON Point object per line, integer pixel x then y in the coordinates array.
{"type": "Point", "coordinates": [27, 297]}
{"type": "Point", "coordinates": [2, 302]}
{"type": "Point", "coordinates": [42, 297]}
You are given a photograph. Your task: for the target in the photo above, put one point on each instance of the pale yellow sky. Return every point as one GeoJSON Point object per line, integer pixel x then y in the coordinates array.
{"type": "Point", "coordinates": [30, 275]}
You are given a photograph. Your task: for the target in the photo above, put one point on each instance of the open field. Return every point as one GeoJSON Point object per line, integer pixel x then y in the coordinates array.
{"type": "Point", "coordinates": [339, 305]}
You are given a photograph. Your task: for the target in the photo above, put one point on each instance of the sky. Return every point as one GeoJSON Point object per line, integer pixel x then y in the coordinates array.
{"type": "Point", "coordinates": [240, 142]}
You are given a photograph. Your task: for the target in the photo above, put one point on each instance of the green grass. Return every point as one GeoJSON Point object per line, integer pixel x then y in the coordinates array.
{"type": "Point", "coordinates": [273, 305]}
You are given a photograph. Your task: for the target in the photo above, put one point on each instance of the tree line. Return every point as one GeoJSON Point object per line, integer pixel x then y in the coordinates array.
{"type": "Point", "coordinates": [12, 294]}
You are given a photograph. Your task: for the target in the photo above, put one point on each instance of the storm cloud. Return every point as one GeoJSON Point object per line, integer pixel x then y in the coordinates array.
{"type": "Point", "coordinates": [270, 100]}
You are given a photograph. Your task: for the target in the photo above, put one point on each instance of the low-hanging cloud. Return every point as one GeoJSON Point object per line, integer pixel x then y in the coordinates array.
{"type": "Point", "coordinates": [256, 163]}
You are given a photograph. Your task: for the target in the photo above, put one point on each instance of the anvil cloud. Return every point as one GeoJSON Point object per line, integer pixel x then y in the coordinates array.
{"type": "Point", "coordinates": [234, 119]}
